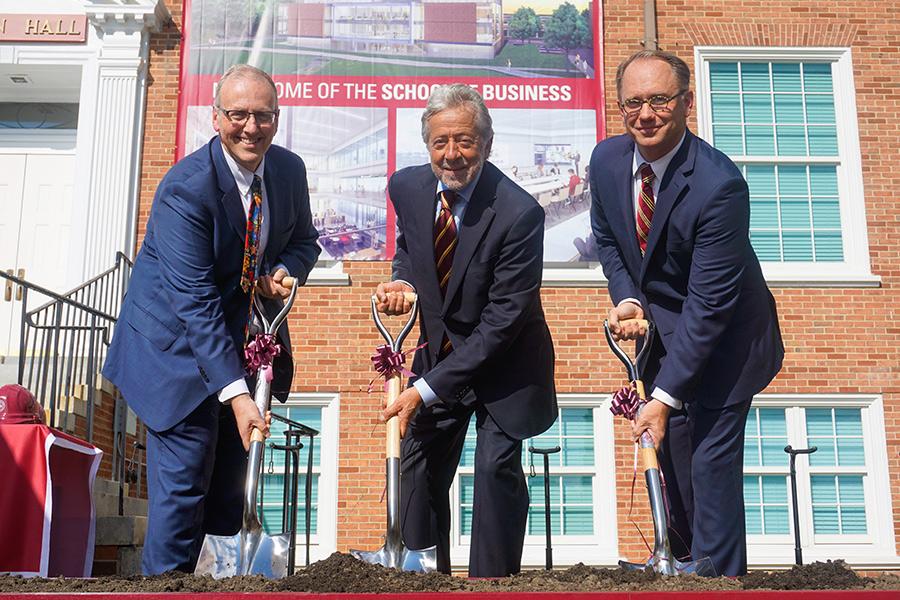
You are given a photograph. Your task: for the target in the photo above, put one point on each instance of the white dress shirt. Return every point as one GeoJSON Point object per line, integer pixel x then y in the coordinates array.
{"type": "Point", "coordinates": [659, 167]}
{"type": "Point", "coordinates": [244, 179]}
{"type": "Point", "coordinates": [458, 209]}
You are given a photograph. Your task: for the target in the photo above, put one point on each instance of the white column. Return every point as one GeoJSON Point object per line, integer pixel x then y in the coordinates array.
{"type": "Point", "coordinates": [116, 125]}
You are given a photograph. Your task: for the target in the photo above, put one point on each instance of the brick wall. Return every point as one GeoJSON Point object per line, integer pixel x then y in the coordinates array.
{"type": "Point", "coordinates": [838, 340]}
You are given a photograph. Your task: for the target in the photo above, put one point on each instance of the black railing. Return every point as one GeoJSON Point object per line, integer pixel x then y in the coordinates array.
{"type": "Point", "coordinates": [63, 341]}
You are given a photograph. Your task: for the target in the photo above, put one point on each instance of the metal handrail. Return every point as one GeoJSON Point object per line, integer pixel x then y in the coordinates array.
{"type": "Point", "coordinates": [62, 346]}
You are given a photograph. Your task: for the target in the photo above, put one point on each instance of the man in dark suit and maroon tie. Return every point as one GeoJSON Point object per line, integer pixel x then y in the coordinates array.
{"type": "Point", "coordinates": [671, 217]}
{"type": "Point", "coordinates": [471, 245]}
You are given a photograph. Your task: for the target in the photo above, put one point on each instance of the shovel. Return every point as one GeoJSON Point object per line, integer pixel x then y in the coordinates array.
{"type": "Point", "coordinates": [394, 554]}
{"type": "Point", "coordinates": [251, 551]}
{"type": "Point", "coordinates": [661, 561]}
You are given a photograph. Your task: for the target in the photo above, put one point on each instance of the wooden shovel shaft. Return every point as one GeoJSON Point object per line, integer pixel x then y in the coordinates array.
{"type": "Point", "coordinates": [393, 424]}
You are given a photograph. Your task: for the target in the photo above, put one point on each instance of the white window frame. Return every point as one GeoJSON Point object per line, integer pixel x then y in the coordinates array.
{"type": "Point", "coordinates": [602, 548]}
{"type": "Point", "coordinates": [324, 542]}
{"type": "Point", "coordinates": [855, 269]}
{"type": "Point", "coordinates": [876, 548]}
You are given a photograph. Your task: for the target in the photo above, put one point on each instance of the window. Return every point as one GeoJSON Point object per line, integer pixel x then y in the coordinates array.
{"type": "Point", "coordinates": [582, 511]}
{"type": "Point", "coordinates": [320, 412]}
{"type": "Point", "coordinates": [842, 488]}
{"type": "Point", "coordinates": [788, 120]}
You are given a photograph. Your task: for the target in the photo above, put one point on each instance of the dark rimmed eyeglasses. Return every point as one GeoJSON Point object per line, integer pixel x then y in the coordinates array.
{"type": "Point", "coordinates": [657, 103]}
{"type": "Point", "coordinates": [240, 117]}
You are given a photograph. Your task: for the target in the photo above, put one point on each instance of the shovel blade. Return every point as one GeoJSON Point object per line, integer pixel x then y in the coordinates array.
{"type": "Point", "coordinates": [245, 553]}
{"type": "Point", "coordinates": [671, 567]}
{"type": "Point", "coordinates": [417, 561]}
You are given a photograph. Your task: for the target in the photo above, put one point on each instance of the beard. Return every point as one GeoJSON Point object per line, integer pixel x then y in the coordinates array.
{"type": "Point", "coordinates": [461, 177]}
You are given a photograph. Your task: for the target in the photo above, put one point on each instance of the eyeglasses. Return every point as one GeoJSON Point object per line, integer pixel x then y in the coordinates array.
{"type": "Point", "coordinates": [240, 117]}
{"type": "Point", "coordinates": [657, 103]}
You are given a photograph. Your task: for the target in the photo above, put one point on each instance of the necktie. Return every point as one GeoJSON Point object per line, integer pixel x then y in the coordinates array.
{"type": "Point", "coordinates": [646, 206]}
{"type": "Point", "coordinates": [444, 248]}
{"type": "Point", "coordinates": [251, 245]}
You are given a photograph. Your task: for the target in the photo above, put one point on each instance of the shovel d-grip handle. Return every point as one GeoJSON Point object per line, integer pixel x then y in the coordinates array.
{"type": "Point", "coordinates": [392, 384]}
{"type": "Point", "coordinates": [647, 450]}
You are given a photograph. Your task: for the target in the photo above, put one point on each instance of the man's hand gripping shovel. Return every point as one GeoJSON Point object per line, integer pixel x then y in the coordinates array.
{"type": "Point", "coordinates": [661, 560]}
{"type": "Point", "coordinates": [251, 551]}
{"type": "Point", "coordinates": [394, 554]}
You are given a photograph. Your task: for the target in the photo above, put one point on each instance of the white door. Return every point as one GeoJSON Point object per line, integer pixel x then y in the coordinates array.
{"type": "Point", "coordinates": [34, 230]}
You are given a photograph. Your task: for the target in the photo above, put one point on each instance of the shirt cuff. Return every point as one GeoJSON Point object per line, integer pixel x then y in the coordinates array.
{"type": "Point", "coordinates": [281, 266]}
{"type": "Point", "coordinates": [232, 390]}
{"type": "Point", "coordinates": [632, 300]}
{"type": "Point", "coordinates": [664, 397]}
{"type": "Point", "coordinates": [429, 398]}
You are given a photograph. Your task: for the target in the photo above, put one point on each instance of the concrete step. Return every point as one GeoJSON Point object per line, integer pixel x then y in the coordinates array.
{"type": "Point", "coordinates": [121, 531]}
{"type": "Point", "coordinates": [107, 505]}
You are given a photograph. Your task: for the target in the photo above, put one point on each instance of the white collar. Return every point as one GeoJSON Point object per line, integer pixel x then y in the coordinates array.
{"type": "Point", "coordinates": [243, 177]}
{"type": "Point", "coordinates": [659, 165]}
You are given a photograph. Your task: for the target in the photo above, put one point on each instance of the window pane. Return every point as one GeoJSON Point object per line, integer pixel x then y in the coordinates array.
{"type": "Point", "coordinates": [851, 489]}
{"type": "Point", "coordinates": [853, 520]}
{"type": "Point", "coordinates": [818, 422]}
{"type": "Point", "coordinates": [824, 489]}
{"type": "Point", "coordinates": [797, 245]}
{"type": "Point", "coordinates": [848, 421]}
{"type": "Point", "coordinates": [789, 108]}
{"type": "Point", "coordinates": [825, 520]}
{"type": "Point", "coordinates": [760, 140]}
{"type": "Point", "coordinates": [766, 244]}
{"type": "Point", "coordinates": [726, 108]}
{"type": "Point", "coordinates": [826, 214]}
{"type": "Point", "coordinates": [761, 180]}
{"type": "Point", "coordinates": [820, 109]}
{"type": "Point", "coordinates": [792, 180]}
{"type": "Point", "coordinates": [823, 140]}
{"type": "Point", "coordinates": [755, 77]}
{"type": "Point", "coordinates": [751, 452]}
{"type": "Point", "coordinates": [773, 453]}
{"type": "Point", "coordinates": [823, 180]}
{"type": "Point", "coordinates": [776, 519]}
{"type": "Point", "coordinates": [829, 246]}
{"type": "Point", "coordinates": [578, 520]}
{"type": "Point", "coordinates": [795, 213]}
{"type": "Point", "coordinates": [757, 108]}
{"type": "Point", "coordinates": [772, 422]}
{"type": "Point", "coordinates": [578, 451]}
{"type": "Point", "coordinates": [578, 489]}
{"type": "Point", "coordinates": [753, 519]}
{"type": "Point", "coordinates": [465, 520]}
{"type": "Point", "coordinates": [791, 140]}
{"type": "Point", "coordinates": [467, 489]}
{"type": "Point", "coordinates": [723, 77]}
{"type": "Point", "coordinates": [786, 77]}
{"type": "Point", "coordinates": [817, 77]}
{"type": "Point", "coordinates": [774, 489]}
{"type": "Point", "coordinates": [850, 452]}
{"type": "Point", "coordinates": [577, 421]}
{"type": "Point", "coordinates": [728, 139]}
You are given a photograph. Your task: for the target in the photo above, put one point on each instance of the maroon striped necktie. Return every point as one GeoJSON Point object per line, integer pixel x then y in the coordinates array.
{"type": "Point", "coordinates": [646, 206]}
{"type": "Point", "coordinates": [445, 248]}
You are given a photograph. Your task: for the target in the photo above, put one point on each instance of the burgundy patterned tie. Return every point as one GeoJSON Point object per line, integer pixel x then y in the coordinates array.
{"type": "Point", "coordinates": [646, 205]}
{"type": "Point", "coordinates": [444, 249]}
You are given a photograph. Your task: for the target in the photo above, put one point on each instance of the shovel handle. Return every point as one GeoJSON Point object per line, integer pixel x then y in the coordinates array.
{"type": "Point", "coordinates": [642, 322]}
{"type": "Point", "coordinates": [393, 424]}
{"type": "Point", "coordinates": [256, 435]}
{"type": "Point", "coordinates": [288, 281]}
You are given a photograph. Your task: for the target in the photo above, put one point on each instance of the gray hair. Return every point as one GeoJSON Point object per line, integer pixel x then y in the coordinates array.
{"type": "Point", "coordinates": [242, 71]}
{"type": "Point", "coordinates": [444, 97]}
{"type": "Point", "coordinates": [679, 68]}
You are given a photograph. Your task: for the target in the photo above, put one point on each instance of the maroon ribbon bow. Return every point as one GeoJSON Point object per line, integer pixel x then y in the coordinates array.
{"type": "Point", "coordinates": [626, 403]}
{"type": "Point", "coordinates": [389, 363]}
{"type": "Point", "coordinates": [260, 352]}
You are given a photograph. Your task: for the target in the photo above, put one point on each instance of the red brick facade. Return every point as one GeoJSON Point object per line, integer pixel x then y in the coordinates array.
{"type": "Point", "coordinates": [838, 339]}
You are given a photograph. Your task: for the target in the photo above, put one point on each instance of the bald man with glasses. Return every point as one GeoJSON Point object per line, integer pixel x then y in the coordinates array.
{"type": "Point", "coordinates": [228, 222]}
{"type": "Point", "coordinates": [671, 218]}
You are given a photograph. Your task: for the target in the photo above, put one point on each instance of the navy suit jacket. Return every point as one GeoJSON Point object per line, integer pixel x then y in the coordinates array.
{"type": "Point", "coordinates": [492, 313]}
{"type": "Point", "coordinates": [718, 339]}
{"type": "Point", "coordinates": [180, 332]}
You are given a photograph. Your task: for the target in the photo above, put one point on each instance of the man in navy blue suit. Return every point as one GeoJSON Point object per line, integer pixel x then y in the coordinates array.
{"type": "Point", "coordinates": [471, 244]}
{"type": "Point", "coordinates": [671, 217]}
{"type": "Point", "coordinates": [177, 352]}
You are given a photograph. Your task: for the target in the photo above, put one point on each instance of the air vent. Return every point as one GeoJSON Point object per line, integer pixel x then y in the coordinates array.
{"type": "Point", "coordinates": [20, 79]}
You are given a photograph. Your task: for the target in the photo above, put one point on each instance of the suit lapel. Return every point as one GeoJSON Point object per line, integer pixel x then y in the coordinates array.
{"type": "Point", "coordinates": [475, 222]}
{"type": "Point", "coordinates": [673, 183]}
{"type": "Point", "coordinates": [624, 195]}
{"type": "Point", "coordinates": [231, 200]}
{"type": "Point", "coordinates": [421, 230]}
{"type": "Point", "coordinates": [272, 213]}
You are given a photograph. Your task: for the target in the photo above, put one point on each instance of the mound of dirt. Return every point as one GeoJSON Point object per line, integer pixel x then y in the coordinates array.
{"type": "Point", "coordinates": [341, 573]}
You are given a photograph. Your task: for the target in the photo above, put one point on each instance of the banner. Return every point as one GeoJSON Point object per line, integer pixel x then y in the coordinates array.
{"type": "Point", "coordinates": [353, 77]}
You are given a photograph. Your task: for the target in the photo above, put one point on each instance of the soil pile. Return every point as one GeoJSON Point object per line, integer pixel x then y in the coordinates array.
{"type": "Point", "coordinates": [343, 573]}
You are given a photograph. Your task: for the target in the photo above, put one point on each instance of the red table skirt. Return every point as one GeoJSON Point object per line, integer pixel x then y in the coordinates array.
{"type": "Point", "coordinates": [46, 503]}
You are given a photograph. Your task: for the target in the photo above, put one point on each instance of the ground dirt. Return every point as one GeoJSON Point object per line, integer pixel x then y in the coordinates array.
{"type": "Point", "coordinates": [343, 573]}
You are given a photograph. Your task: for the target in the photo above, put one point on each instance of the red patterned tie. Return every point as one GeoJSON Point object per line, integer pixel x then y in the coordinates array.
{"type": "Point", "coordinates": [445, 248]}
{"type": "Point", "coordinates": [251, 245]}
{"type": "Point", "coordinates": [646, 206]}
